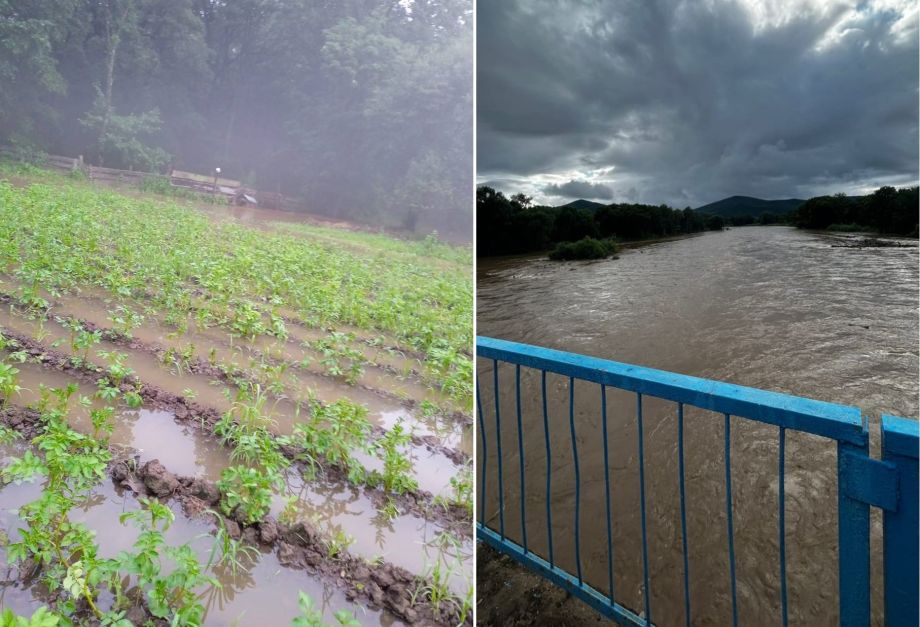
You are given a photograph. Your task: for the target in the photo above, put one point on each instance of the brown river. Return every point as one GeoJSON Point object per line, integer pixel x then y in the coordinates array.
{"type": "Point", "coordinates": [767, 307]}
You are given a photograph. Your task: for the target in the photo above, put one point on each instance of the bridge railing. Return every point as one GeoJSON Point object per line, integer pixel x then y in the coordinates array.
{"type": "Point", "coordinates": [889, 483]}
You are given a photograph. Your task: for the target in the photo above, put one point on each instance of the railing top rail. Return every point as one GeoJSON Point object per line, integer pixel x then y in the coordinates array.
{"type": "Point", "coordinates": [901, 436]}
{"type": "Point", "coordinates": [839, 422]}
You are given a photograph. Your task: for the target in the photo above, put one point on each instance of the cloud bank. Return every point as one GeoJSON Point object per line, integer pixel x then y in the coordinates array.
{"type": "Point", "coordinates": [689, 101]}
{"type": "Point", "coordinates": [579, 189]}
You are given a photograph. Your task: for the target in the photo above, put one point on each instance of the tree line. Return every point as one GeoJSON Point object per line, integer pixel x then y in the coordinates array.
{"type": "Point", "coordinates": [513, 225]}
{"type": "Point", "coordinates": [887, 210]}
{"type": "Point", "coordinates": [363, 108]}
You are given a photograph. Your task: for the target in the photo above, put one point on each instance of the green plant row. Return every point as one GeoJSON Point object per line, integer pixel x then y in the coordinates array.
{"type": "Point", "coordinates": [69, 235]}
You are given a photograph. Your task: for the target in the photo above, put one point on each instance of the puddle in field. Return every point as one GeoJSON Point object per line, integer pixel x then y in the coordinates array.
{"type": "Point", "coordinates": [92, 303]}
{"type": "Point", "coordinates": [433, 471]}
{"type": "Point", "coordinates": [233, 350]}
{"type": "Point", "coordinates": [155, 434]}
{"type": "Point", "coordinates": [140, 430]}
{"type": "Point", "coordinates": [405, 541]}
{"type": "Point", "coordinates": [261, 592]}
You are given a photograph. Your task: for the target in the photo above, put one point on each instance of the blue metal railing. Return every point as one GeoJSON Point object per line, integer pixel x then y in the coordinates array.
{"type": "Point", "coordinates": [890, 483]}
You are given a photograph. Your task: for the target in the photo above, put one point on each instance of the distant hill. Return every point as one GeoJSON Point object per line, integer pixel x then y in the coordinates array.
{"type": "Point", "coordinates": [590, 205]}
{"type": "Point", "coordinates": [745, 205]}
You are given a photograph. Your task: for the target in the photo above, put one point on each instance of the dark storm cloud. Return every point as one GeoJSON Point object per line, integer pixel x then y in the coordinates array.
{"type": "Point", "coordinates": [579, 189]}
{"type": "Point", "coordinates": [686, 102]}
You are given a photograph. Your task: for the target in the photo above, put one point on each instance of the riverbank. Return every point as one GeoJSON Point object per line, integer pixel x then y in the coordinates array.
{"type": "Point", "coordinates": [509, 595]}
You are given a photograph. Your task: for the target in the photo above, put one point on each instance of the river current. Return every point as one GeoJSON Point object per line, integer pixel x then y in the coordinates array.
{"type": "Point", "coordinates": [768, 307]}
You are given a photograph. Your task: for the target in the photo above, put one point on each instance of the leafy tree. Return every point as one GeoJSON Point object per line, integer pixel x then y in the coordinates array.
{"type": "Point", "coordinates": [121, 136]}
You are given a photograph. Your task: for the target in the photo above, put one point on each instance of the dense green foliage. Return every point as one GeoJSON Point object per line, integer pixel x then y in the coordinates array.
{"type": "Point", "coordinates": [585, 248]}
{"type": "Point", "coordinates": [886, 210]}
{"type": "Point", "coordinates": [361, 108]}
{"type": "Point", "coordinates": [512, 225]}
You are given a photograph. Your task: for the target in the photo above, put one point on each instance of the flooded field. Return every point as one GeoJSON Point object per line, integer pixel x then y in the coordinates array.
{"type": "Point", "coordinates": [285, 414]}
{"type": "Point", "coordinates": [768, 307]}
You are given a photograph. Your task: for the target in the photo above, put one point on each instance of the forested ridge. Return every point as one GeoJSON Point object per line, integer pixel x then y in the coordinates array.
{"type": "Point", "coordinates": [506, 226]}
{"type": "Point", "coordinates": [363, 109]}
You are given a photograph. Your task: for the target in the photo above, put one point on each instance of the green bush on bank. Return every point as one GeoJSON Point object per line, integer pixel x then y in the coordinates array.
{"type": "Point", "coordinates": [585, 248]}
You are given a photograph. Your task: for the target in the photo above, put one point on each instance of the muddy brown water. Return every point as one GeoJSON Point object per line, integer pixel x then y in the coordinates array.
{"type": "Point", "coordinates": [262, 592]}
{"type": "Point", "coordinates": [768, 307]}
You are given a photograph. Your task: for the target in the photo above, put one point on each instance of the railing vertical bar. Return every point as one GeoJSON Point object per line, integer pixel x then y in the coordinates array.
{"type": "Point", "coordinates": [647, 590]}
{"type": "Point", "coordinates": [900, 545]}
{"type": "Point", "coordinates": [853, 545]}
{"type": "Point", "coordinates": [549, 472]}
{"type": "Point", "coordinates": [485, 457]}
{"type": "Point", "coordinates": [683, 510]}
{"type": "Point", "coordinates": [577, 479]}
{"type": "Point", "coordinates": [607, 492]}
{"type": "Point", "coordinates": [782, 524]}
{"type": "Point", "coordinates": [517, 391]}
{"type": "Point", "coordinates": [728, 512]}
{"type": "Point", "coordinates": [498, 447]}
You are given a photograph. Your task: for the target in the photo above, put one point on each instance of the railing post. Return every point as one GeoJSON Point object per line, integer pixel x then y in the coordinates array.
{"type": "Point", "coordinates": [853, 542]}
{"type": "Point", "coordinates": [900, 438]}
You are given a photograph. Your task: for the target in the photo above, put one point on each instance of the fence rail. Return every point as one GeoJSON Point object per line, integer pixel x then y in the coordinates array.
{"type": "Point", "coordinates": [889, 483]}
{"type": "Point", "coordinates": [228, 189]}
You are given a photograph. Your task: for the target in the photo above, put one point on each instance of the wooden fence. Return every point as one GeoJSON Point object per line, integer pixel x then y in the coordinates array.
{"type": "Point", "coordinates": [227, 188]}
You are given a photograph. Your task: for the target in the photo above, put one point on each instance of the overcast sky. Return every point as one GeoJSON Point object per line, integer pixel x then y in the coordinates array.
{"type": "Point", "coordinates": [687, 102]}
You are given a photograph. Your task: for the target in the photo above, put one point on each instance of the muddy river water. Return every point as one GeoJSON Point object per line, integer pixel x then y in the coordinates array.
{"type": "Point", "coordinates": [768, 307]}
